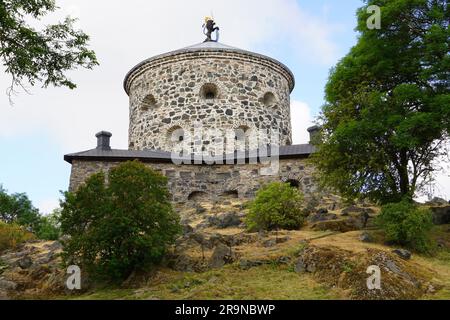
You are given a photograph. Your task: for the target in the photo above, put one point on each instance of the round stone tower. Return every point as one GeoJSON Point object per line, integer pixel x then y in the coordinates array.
{"type": "Point", "coordinates": [216, 85]}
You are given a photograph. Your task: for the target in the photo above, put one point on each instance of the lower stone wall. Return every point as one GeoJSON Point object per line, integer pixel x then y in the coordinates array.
{"type": "Point", "coordinates": [190, 182]}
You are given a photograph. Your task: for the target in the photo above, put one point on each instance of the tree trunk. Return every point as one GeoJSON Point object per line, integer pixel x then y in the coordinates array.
{"type": "Point", "coordinates": [403, 174]}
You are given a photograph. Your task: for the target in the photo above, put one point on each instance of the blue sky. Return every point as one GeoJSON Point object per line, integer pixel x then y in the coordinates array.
{"type": "Point", "coordinates": [308, 36]}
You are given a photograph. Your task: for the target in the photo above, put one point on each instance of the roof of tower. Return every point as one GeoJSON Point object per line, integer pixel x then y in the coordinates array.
{"type": "Point", "coordinates": [208, 46]}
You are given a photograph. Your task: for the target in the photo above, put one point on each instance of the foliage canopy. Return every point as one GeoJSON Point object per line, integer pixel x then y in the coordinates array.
{"type": "Point", "coordinates": [45, 55]}
{"type": "Point", "coordinates": [387, 112]}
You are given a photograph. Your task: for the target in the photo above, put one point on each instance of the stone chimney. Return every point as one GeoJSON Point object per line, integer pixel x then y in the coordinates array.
{"type": "Point", "coordinates": [103, 138]}
{"type": "Point", "coordinates": [313, 134]}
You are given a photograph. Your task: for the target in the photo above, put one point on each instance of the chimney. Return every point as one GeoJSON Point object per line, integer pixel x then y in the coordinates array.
{"type": "Point", "coordinates": [103, 138]}
{"type": "Point", "coordinates": [314, 132]}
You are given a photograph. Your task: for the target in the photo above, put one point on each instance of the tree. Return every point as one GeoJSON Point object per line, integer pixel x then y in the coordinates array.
{"type": "Point", "coordinates": [387, 113]}
{"type": "Point", "coordinates": [17, 208]}
{"type": "Point", "coordinates": [119, 226]}
{"type": "Point", "coordinates": [49, 226]}
{"type": "Point", "coordinates": [40, 55]}
{"type": "Point", "coordinates": [276, 205]}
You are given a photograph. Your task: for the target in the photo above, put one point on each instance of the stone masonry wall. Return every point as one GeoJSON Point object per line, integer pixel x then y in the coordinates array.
{"type": "Point", "coordinates": [222, 90]}
{"type": "Point", "coordinates": [192, 181]}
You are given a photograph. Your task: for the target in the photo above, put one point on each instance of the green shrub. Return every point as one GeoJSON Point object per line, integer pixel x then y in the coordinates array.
{"type": "Point", "coordinates": [407, 224]}
{"type": "Point", "coordinates": [121, 226]}
{"type": "Point", "coordinates": [277, 205]}
{"type": "Point", "coordinates": [12, 235]}
{"type": "Point", "coordinates": [49, 226]}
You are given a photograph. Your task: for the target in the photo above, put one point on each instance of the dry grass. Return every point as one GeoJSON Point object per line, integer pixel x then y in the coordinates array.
{"type": "Point", "coordinates": [12, 235]}
{"type": "Point", "coordinates": [261, 283]}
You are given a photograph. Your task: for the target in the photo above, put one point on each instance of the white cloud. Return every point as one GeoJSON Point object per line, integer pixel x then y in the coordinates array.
{"type": "Point", "coordinates": [47, 206]}
{"type": "Point", "coordinates": [123, 35]}
{"type": "Point", "coordinates": [301, 120]}
{"type": "Point", "coordinates": [440, 187]}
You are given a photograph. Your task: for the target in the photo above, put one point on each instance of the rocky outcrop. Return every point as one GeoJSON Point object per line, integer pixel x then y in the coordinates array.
{"type": "Point", "coordinates": [348, 270]}
{"type": "Point", "coordinates": [339, 225]}
{"type": "Point", "coordinates": [32, 270]}
{"type": "Point", "coordinates": [225, 220]}
{"type": "Point", "coordinates": [402, 253]}
{"type": "Point", "coordinates": [321, 215]}
{"type": "Point", "coordinates": [441, 215]}
{"type": "Point", "coordinates": [436, 201]}
{"type": "Point", "coordinates": [351, 218]}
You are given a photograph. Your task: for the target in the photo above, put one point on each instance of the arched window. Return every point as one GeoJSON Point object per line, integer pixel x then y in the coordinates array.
{"type": "Point", "coordinates": [209, 91]}
{"type": "Point", "coordinates": [149, 102]}
{"type": "Point", "coordinates": [230, 194]}
{"type": "Point", "coordinates": [197, 196]}
{"type": "Point", "coordinates": [293, 183]}
{"type": "Point", "coordinates": [175, 134]}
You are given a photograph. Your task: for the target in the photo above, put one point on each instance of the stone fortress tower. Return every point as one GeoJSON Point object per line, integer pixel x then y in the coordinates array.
{"type": "Point", "coordinates": [217, 85]}
{"type": "Point", "coordinates": [220, 87]}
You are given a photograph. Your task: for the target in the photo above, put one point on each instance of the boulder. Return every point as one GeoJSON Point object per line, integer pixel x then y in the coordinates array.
{"type": "Point", "coordinates": [321, 215]}
{"type": "Point", "coordinates": [436, 201]}
{"type": "Point", "coordinates": [226, 220]}
{"type": "Point", "coordinates": [282, 239]}
{"type": "Point", "coordinates": [402, 253]}
{"type": "Point", "coordinates": [441, 215]}
{"type": "Point", "coordinates": [46, 258]}
{"type": "Point", "coordinates": [284, 260]}
{"type": "Point", "coordinates": [300, 265]}
{"type": "Point", "coordinates": [7, 285]}
{"type": "Point", "coordinates": [3, 295]}
{"type": "Point", "coordinates": [352, 210]}
{"type": "Point", "coordinates": [199, 209]}
{"type": "Point", "coordinates": [221, 256]}
{"type": "Point", "coordinates": [247, 264]}
{"type": "Point", "coordinates": [269, 243]}
{"type": "Point", "coordinates": [311, 205]}
{"type": "Point", "coordinates": [340, 225]}
{"type": "Point", "coordinates": [11, 258]}
{"type": "Point", "coordinates": [198, 237]}
{"type": "Point", "coordinates": [182, 263]}
{"type": "Point", "coordinates": [187, 229]}
{"type": "Point", "coordinates": [303, 266]}
{"type": "Point", "coordinates": [25, 262]}
{"type": "Point", "coordinates": [54, 246]}
{"type": "Point", "coordinates": [366, 237]}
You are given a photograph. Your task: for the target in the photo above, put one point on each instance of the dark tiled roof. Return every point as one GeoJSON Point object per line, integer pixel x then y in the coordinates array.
{"type": "Point", "coordinates": [286, 152]}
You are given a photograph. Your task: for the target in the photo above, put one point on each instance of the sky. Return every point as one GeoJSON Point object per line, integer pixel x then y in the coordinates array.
{"type": "Point", "coordinates": [309, 36]}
